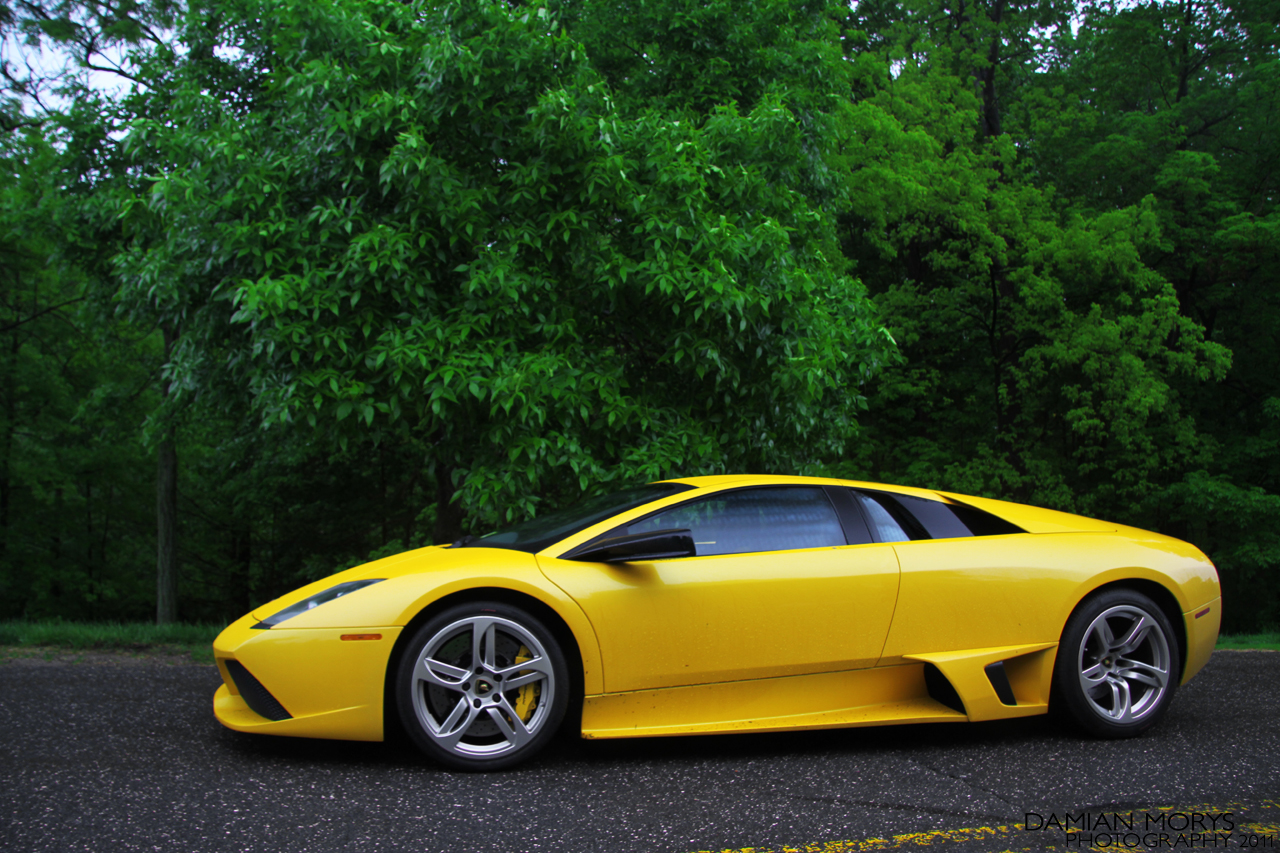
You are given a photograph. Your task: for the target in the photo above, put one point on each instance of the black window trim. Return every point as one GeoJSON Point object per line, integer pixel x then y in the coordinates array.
{"type": "Point", "coordinates": [852, 518]}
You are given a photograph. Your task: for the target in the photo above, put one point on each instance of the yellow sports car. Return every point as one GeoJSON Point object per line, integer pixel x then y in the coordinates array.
{"type": "Point", "coordinates": [731, 604]}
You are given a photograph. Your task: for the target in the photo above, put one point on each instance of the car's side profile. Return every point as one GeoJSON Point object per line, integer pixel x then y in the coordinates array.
{"type": "Point", "coordinates": [728, 604]}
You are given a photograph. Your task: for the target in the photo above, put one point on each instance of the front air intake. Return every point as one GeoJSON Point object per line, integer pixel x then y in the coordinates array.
{"type": "Point", "coordinates": [257, 697]}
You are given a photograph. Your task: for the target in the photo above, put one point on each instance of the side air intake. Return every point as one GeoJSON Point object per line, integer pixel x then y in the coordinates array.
{"type": "Point", "coordinates": [940, 690]}
{"type": "Point", "coordinates": [1000, 682]}
{"type": "Point", "coordinates": [257, 697]}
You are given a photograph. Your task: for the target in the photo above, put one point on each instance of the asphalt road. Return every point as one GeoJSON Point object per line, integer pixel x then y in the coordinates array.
{"type": "Point", "coordinates": [125, 755]}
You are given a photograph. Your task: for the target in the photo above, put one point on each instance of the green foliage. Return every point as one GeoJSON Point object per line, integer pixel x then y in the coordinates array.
{"type": "Point", "coordinates": [1236, 523]}
{"type": "Point", "coordinates": [438, 225]}
{"type": "Point", "coordinates": [1056, 242]}
{"type": "Point", "coordinates": [1040, 349]}
{"type": "Point", "coordinates": [72, 529]}
{"type": "Point", "coordinates": [429, 266]}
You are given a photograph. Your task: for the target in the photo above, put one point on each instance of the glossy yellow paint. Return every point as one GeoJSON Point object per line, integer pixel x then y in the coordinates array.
{"type": "Point", "coordinates": [965, 669]}
{"type": "Point", "coordinates": [331, 687]}
{"type": "Point", "coordinates": [1032, 519]}
{"type": "Point", "coordinates": [356, 723]}
{"type": "Point", "coordinates": [334, 688]}
{"type": "Point", "coordinates": [1202, 625]}
{"type": "Point", "coordinates": [702, 620]}
{"type": "Point", "coordinates": [1031, 676]}
{"type": "Point", "coordinates": [994, 591]}
{"type": "Point", "coordinates": [416, 579]}
{"type": "Point", "coordinates": [865, 697]}
{"type": "Point", "coordinates": [818, 638]}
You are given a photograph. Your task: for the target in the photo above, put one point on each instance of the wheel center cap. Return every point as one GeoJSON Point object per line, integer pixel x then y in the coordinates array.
{"type": "Point", "coordinates": [483, 687]}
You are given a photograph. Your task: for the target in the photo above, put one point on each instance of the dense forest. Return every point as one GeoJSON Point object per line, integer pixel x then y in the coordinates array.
{"type": "Point", "coordinates": [288, 285]}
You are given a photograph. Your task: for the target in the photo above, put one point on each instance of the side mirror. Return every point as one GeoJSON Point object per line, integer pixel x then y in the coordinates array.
{"type": "Point", "coordinates": [638, 547]}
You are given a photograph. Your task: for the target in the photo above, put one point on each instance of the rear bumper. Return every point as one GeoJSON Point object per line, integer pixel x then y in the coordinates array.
{"type": "Point", "coordinates": [1202, 625]}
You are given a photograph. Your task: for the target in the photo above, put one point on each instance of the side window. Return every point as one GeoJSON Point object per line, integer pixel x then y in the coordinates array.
{"type": "Point", "coordinates": [885, 526]}
{"type": "Point", "coordinates": [921, 518]}
{"type": "Point", "coordinates": [749, 520]}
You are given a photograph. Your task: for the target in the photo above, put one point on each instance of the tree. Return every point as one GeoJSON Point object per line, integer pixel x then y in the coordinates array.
{"type": "Point", "coordinates": [435, 225]}
{"type": "Point", "coordinates": [1056, 378]}
{"type": "Point", "coordinates": [1193, 137]}
{"type": "Point", "coordinates": [125, 41]}
{"type": "Point", "coordinates": [72, 477]}
{"type": "Point", "coordinates": [1059, 290]}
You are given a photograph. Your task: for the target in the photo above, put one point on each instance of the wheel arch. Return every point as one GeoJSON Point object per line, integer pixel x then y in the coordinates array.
{"type": "Point", "coordinates": [1157, 592]}
{"type": "Point", "coordinates": [392, 726]}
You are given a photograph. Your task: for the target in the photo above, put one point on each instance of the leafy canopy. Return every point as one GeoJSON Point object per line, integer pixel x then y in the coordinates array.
{"type": "Point", "coordinates": [436, 224]}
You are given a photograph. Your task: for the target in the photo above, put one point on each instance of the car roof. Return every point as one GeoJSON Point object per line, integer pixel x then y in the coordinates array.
{"type": "Point", "coordinates": [725, 480]}
{"type": "Point", "coordinates": [1032, 519]}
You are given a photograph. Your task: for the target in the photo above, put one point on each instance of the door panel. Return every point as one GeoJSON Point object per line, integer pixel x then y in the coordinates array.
{"type": "Point", "coordinates": [986, 591]}
{"type": "Point", "coordinates": [700, 620]}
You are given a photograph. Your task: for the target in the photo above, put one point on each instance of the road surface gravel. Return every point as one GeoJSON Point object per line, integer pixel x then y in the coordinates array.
{"type": "Point", "coordinates": [116, 753]}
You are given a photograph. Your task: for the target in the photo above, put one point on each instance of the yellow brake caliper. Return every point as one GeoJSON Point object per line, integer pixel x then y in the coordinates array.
{"type": "Point", "coordinates": [527, 698]}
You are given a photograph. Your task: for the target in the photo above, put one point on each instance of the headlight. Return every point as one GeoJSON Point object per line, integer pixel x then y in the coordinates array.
{"type": "Point", "coordinates": [315, 601]}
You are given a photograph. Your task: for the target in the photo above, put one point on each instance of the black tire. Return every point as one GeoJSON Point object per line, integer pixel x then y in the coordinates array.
{"type": "Point", "coordinates": [1118, 665]}
{"type": "Point", "coordinates": [482, 686]}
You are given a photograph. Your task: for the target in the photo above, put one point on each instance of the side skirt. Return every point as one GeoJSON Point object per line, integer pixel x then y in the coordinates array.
{"type": "Point", "coordinates": [863, 697]}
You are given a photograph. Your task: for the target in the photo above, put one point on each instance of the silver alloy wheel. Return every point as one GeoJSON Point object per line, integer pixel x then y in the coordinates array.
{"type": "Point", "coordinates": [483, 686]}
{"type": "Point", "coordinates": [1124, 664]}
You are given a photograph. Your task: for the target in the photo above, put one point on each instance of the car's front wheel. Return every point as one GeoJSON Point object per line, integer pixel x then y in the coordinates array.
{"type": "Point", "coordinates": [482, 686]}
{"type": "Point", "coordinates": [1118, 664]}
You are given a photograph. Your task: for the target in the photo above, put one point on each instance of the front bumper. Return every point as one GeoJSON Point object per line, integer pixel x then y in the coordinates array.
{"type": "Point", "coordinates": [303, 682]}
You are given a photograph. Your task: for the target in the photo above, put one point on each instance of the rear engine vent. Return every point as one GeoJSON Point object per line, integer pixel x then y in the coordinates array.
{"type": "Point", "coordinates": [257, 697]}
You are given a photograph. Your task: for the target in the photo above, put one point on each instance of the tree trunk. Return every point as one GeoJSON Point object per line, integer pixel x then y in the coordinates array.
{"type": "Point", "coordinates": [11, 416]}
{"type": "Point", "coordinates": [985, 77]}
{"type": "Point", "coordinates": [448, 512]}
{"type": "Point", "coordinates": [241, 558]}
{"type": "Point", "coordinates": [167, 514]}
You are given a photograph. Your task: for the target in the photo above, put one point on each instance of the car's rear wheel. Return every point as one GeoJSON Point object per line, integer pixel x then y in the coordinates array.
{"type": "Point", "coordinates": [1118, 664]}
{"type": "Point", "coordinates": [482, 686]}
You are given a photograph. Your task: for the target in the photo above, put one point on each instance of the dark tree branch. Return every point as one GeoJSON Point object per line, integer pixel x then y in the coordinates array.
{"type": "Point", "coordinates": [38, 314]}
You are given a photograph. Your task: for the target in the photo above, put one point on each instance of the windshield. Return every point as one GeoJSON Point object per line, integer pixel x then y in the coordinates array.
{"type": "Point", "coordinates": [547, 529]}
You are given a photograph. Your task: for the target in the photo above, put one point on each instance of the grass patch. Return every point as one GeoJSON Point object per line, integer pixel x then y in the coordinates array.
{"type": "Point", "coordinates": [195, 640]}
{"type": "Point", "coordinates": [1265, 640]}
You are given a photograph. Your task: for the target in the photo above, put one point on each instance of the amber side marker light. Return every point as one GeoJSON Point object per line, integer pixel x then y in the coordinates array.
{"type": "Point", "coordinates": [361, 637]}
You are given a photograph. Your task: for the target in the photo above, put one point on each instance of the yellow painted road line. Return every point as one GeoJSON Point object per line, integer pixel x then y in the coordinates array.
{"type": "Point", "coordinates": [1253, 826]}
